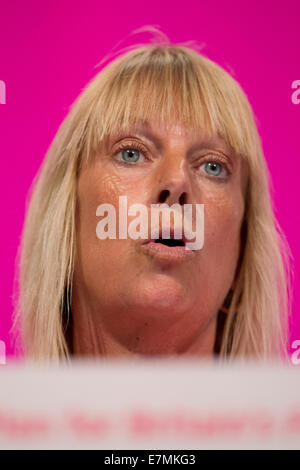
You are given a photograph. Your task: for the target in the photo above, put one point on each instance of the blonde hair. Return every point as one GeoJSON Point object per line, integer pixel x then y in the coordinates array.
{"type": "Point", "coordinates": [164, 82]}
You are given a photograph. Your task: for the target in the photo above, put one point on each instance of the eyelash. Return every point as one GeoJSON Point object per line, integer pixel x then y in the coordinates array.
{"type": "Point", "coordinates": [132, 146]}
{"type": "Point", "coordinates": [214, 159]}
{"type": "Point", "coordinates": [138, 146]}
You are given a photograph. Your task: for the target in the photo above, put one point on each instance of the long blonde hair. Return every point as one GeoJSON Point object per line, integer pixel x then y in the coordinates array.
{"type": "Point", "coordinates": [164, 82]}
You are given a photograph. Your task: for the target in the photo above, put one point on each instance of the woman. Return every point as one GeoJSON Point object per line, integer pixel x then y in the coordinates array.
{"type": "Point", "coordinates": [160, 124]}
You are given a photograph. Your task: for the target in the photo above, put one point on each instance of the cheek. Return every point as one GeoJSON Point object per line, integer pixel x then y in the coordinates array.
{"type": "Point", "coordinates": [223, 220]}
{"type": "Point", "coordinates": [96, 185]}
{"type": "Point", "coordinates": [104, 184]}
{"type": "Point", "coordinates": [99, 185]}
{"type": "Point", "coordinates": [222, 227]}
{"type": "Point", "coordinates": [109, 187]}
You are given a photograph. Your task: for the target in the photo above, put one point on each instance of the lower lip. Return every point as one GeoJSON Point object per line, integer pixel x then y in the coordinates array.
{"type": "Point", "coordinates": [167, 253]}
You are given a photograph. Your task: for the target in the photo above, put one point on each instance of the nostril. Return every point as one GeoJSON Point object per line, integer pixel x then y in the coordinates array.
{"type": "Point", "coordinates": [164, 196]}
{"type": "Point", "coordinates": [182, 199]}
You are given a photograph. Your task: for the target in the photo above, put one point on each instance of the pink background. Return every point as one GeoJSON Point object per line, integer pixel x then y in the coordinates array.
{"type": "Point", "coordinates": [49, 50]}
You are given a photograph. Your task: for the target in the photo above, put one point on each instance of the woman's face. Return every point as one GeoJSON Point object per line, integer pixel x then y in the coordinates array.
{"type": "Point", "coordinates": [142, 296]}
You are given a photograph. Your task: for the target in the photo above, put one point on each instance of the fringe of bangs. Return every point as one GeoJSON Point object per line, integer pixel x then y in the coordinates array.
{"type": "Point", "coordinates": [185, 91]}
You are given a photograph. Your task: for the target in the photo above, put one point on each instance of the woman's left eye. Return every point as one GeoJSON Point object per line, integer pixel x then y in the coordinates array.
{"type": "Point", "coordinates": [214, 168]}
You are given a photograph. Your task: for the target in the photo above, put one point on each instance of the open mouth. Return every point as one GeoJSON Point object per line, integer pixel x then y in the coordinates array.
{"type": "Point", "coordinates": [168, 250]}
{"type": "Point", "coordinates": [171, 242]}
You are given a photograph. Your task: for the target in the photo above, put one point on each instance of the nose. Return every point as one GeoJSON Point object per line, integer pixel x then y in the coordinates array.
{"type": "Point", "coordinates": [173, 182]}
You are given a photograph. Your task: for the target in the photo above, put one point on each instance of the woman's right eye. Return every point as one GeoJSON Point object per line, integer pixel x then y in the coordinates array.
{"type": "Point", "coordinates": [130, 155]}
{"type": "Point", "coordinates": [132, 152]}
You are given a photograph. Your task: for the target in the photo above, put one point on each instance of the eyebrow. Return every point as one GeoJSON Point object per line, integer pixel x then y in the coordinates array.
{"type": "Point", "coordinates": [144, 128]}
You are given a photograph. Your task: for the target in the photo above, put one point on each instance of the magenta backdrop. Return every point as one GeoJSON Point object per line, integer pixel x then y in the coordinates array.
{"type": "Point", "coordinates": [49, 50]}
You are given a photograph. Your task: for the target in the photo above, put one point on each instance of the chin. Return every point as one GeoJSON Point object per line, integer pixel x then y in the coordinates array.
{"type": "Point", "coordinates": [163, 294]}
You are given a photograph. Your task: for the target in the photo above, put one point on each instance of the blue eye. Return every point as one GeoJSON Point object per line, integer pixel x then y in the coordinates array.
{"type": "Point", "coordinates": [213, 168]}
{"type": "Point", "coordinates": [130, 155]}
